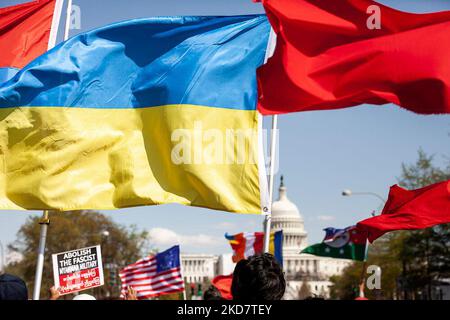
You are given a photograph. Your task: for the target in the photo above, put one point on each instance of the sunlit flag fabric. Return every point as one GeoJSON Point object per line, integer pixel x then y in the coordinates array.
{"type": "Point", "coordinates": [24, 34]}
{"type": "Point", "coordinates": [155, 275]}
{"type": "Point", "coordinates": [142, 112]}
{"type": "Point", "coordinates": [247, 244]}
{"type": "Point", "coordinates": [348, 243]}
{"type": "Point", "coordinates": [337, 54]}
{"type": "Point", "coordinates": [223, 284]}
{"type": "Point", "coordinates": [411, 210]}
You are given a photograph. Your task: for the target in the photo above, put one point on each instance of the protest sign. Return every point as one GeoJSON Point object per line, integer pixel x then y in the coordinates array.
{"type": "Point", "coordinates": [78, 270]}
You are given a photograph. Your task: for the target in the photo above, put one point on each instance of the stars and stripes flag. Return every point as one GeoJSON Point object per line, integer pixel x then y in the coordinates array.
{"type": "Point", "coordinates": [155, 275]}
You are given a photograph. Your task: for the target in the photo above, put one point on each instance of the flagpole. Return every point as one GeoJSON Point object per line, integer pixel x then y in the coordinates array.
{"type": "Point", "coordinates": [68, 18]}
{"type": "Point", "coordinates": [363, 271]}
{"type": "Point", "coordinates": [268, 216]}
{"type": "Point", "coordinates": [55, 24]}
{"type": "Point", "coordinates": [362, 279]}
{"type": "Point", "coordinates": [45, 221]}
{"type": "Point", "coordinates": [273, 145]}
{"type": "Point", "coordinates": [182, 277]}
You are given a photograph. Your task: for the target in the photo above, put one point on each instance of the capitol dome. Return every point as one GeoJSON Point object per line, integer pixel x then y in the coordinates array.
{"type": "Point", "coordinates": [286, 217]}
{"type": "Point", "coordinates": [284, 207]}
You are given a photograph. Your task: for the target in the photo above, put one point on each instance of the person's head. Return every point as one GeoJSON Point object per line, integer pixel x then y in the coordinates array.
{"type": "Point", "coordinates": [260, 277]}
{"type": "Point", "coordinates": [12, 288]}
{"type": "Point", "coordinates": [83, 297]}
{"type": "Point", "coordinates": [212, 293]}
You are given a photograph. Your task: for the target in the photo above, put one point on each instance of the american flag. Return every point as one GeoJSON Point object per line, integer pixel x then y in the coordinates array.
{"type": "Point", "coordinates": [155, 275]}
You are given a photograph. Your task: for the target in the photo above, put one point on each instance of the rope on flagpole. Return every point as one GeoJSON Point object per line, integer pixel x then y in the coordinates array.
{"type": "Point", "coordinates": [273, 146]}
{"type": "Point", "coordinates": [45, 220]}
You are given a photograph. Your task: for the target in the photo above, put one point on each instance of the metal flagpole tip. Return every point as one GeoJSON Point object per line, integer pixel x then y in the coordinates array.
{"type": "Point", "coordinates": [44, 219]}
{"type": "Point", "coordinates": [347, 193]}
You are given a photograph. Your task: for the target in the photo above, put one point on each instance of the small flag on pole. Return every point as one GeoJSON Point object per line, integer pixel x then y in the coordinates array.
{"type": "Point", "coordinates": [155, 275]}
{"type": "Point", "coordinates": [348, 243]}
{"type": "Point", "coordinates": [247, 244]}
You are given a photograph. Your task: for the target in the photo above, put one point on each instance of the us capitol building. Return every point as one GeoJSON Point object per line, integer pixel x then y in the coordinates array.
{"type": "Point", "coordinates": [304, 272]}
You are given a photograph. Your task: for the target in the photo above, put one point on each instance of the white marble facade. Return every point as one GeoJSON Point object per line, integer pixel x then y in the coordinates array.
{"type": "Point", "coordinates": [199, 268]}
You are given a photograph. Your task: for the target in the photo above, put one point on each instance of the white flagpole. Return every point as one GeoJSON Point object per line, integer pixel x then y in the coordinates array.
{"type": "Point", "coordinates": [68, 18]}
{"type": "Point", "coordinates": [55, 24]}
{"type": "Point", "coordinates": [45, 221]}
{"type": "Point", "coordinates": [182, 277]}
{"type": "Point", "coordinates": [273, 146]}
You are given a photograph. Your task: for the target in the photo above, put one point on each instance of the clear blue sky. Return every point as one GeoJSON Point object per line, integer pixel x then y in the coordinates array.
{"type": "Point", "coordinates": [321, 153]}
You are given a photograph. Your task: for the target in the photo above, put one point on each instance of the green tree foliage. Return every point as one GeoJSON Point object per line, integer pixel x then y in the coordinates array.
{"type": "Point", "coordinates": [423, 172]}
{"type": "Point", "coordinates": [73, 230]}
{"type": "Point", "coordinates": [424, 254]}
{"type": "Point", "coordinates": [345, 286]}
{"type": "Point", "coordinates": [410, 260]}
{"type": "Point", "coordinates": [382, 254]}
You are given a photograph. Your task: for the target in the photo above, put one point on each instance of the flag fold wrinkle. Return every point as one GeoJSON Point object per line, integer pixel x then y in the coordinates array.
{"type": "Point", "coordinates": [338, 54]}
{"type": "Point", "coordinates": [349, 243]}
{"type": "Point", "coordinates": [411, 210]}
{"type": "Point", "coordinates": [142, 112]}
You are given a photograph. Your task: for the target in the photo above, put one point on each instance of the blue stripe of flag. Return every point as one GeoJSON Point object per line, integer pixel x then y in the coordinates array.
{"type": "Point", "coordinates": [207, 61]}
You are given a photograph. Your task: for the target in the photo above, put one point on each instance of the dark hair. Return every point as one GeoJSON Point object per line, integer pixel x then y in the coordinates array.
{"type": "Point", "coordinates": [212, 293]}
{"type": "Point", "coordinates": [260, 277]}
{"type": "Point", "coordinates": [12, 288]}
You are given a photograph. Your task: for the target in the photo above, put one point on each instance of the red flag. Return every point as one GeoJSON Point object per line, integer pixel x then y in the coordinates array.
{"type": "Point", "coordinates": [24, 32]}
{"type": "Point", "coordinates": [409, 210]}
{"type": "Point", "coordinates": [338, 54]}
{"type": "Point", "coordinates": [223, 284]}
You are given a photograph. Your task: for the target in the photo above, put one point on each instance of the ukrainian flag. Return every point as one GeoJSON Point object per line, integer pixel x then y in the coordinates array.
{"type": "Point", "coordinates": [142, 112]}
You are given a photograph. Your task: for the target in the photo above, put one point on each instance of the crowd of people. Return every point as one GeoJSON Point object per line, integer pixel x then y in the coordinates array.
{"type": "Point", "coordinates": [258, 278]}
